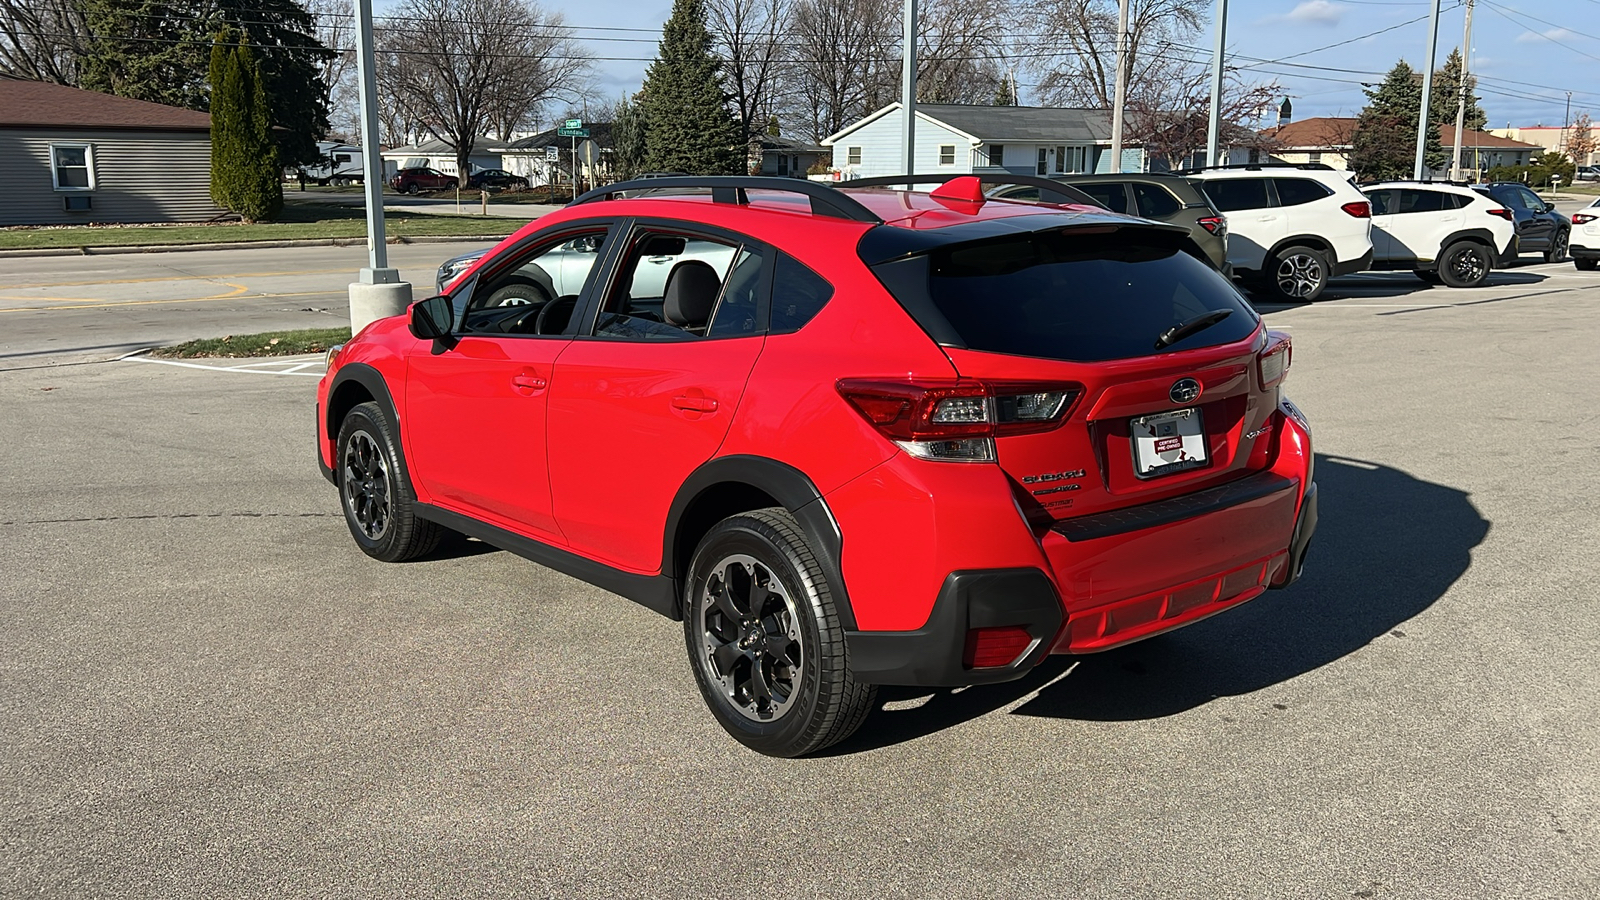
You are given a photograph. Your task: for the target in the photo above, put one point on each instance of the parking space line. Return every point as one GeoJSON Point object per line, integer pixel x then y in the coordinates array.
{"type": "Point", "coordinates": [262, 368]}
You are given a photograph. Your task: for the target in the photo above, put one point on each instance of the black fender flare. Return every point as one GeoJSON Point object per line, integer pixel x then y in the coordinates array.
{"type": "Point", "coordinates": [370, 379]}
{"type": "Point", "coordinates": [1321, 245]}
{"type": "Point", "coordinates": [1476, 235]}
{"type": "Point", "coordinates": [791, 488]}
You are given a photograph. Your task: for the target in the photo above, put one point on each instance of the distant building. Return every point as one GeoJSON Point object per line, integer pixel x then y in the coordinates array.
{"type": "Point", "coordinates": [1327, 140]}
{"type": "Point", "coordinates": [1550, 137]}
{"type": "Point", "coordinates": [548, 157]}
{"type": "Point", "coordinates": [783, 157]}
{"type": "Point", "coordinates": [959, 139]}
{"type": "Point", "coordinates": [74, 157]}
{"type": "Point", "coordinates": [436, 154]}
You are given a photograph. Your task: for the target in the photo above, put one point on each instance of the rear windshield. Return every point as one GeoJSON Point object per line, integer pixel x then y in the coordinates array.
{"type": "Point", "coordinates": [1069, 296]}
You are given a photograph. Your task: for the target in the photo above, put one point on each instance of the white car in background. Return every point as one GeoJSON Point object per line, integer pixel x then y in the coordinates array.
{"type": "Point", "coordinates": [1445, 233]}
{"type": "Point", "coordinates": [1585, 241]}
{"type": "Point", "coordinates": [1290, 227]}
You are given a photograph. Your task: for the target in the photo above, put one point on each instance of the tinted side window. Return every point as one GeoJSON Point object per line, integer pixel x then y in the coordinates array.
{"type": "Point", "coordinates": [1111, 196]}
{"type": "Point", "coordinates": [1530, 200]}
{"type": "Point", "coordinates": [1381, 205]}
{"type": "Point", "coordinates": [1512, 197]}
{"type": "Point", "coordinates": [736, 311]}
{"type": "Point", "coordinates": [1419, 201]}
{"type": "Point", "coordinates": [1295, 191]}
{"type": "Point", "coordinates": [1154, 202]}
{"type": "Point", "coordinates": [798, 294]}
{"type": "Point", "coordinates": [1230, 194]}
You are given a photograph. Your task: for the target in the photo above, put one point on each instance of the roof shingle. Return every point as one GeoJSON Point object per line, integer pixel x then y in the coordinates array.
{"type": "Point", "coordinates": [37, 104]}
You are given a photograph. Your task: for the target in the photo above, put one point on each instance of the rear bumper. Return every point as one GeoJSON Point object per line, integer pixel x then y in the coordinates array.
{"type": "Point", "coordinates": [1510, 254]}
{"type": "Point", "coordinates": [1350, 267]}
{"type": "Point", "coordinates": [1577, 252]}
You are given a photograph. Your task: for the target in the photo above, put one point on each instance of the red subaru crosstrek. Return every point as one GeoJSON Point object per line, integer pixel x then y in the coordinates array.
{"type": "Point", "coordinates": [849, 437]}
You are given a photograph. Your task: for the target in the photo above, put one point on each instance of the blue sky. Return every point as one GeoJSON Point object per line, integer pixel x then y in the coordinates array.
{"type": "Point", "coordinates": [1526, 65]}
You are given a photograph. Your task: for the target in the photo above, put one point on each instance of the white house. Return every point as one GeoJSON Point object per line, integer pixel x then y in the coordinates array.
{"type": "Point", "coordinates": [960, 139]}
{"type": "Point", "coordinates": [436, 154]}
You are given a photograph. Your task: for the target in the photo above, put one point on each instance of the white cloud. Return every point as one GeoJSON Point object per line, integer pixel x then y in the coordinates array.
{"type": "Point", "coordinates": [1312, 12]}
{"type": "Point", "coordinates": [1554, 34]}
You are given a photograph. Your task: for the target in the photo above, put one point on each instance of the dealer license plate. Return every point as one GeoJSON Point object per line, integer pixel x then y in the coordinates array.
{"type": "Point", "coordinates": [1168, 442]}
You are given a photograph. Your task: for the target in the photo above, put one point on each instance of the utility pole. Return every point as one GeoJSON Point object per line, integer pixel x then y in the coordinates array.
{"type": "Point", "coordinates": [908, 88]}
{"type": "Point", "coordinates": [1566, 122]}
{"type": "Point", "coordinates": [1213, 130]}
{"type": "Point", "coordinates": [379, 293]}
{"type": "Point", "coordinates": [1120, 93]}
{"type": "Point", "coordinates": [1427, 90]}
{"type": "Point", "coordinates": [1461, 104]}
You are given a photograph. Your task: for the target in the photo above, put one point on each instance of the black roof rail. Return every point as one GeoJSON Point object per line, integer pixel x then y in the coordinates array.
{"type": "Point", "coordinates": [825, 201]}
{"type": "Point", "coordinates": [1320, 167]}
{"type": "Point", "coordinates": [1066, 192]}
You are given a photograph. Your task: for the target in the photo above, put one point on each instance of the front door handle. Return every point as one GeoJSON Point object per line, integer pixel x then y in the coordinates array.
{"type": "Point", "coordinates": [528, 384]}
{"type": "Point", "coordinates": [694, 404]}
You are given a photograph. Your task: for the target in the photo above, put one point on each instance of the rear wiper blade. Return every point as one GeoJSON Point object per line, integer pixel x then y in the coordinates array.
{"type": "Point", "coordinates": [1191, 326]}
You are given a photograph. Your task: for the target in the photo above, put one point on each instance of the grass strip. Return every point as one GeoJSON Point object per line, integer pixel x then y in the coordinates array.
{"type": "Point", "coordinates": [300, 221]}
{"type": "Point", "coordinates": [268, 343]}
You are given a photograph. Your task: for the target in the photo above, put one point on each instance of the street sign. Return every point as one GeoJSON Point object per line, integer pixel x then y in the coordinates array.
{"type": "Point", "coordinates": [589, 152]}
{"type": "Point", "coordinates": [572, 123]}
{"type": "Point", "coordinates": [552, 152]}
{"type": "Point", "coordinates": [572, 132]}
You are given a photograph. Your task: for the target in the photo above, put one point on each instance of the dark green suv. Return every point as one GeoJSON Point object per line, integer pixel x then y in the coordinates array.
{"type": "Point", "coordinates": [1164, 198]}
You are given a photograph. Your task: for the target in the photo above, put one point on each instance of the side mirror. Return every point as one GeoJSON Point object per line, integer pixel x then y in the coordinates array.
{"type": "Point", "coordinates": [430, 321]}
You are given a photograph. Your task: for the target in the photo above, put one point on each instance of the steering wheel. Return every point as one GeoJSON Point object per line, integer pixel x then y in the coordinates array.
{"type": "Point", "coordinates": [554, 316]}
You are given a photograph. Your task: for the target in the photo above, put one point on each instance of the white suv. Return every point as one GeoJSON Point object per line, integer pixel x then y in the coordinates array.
{"type": "Point", "coordinates": [1290, 228]}
{"type": "Point", "coordinates": [1585, 242]}
{"type": "Point", "coordinates": [1446, 234]}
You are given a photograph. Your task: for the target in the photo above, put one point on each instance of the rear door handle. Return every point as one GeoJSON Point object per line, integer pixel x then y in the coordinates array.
{"type": "Point", "coordinates": [694, 404]}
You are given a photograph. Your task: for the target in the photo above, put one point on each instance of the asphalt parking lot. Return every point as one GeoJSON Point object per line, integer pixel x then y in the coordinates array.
{"type": "Point", "coordinates": [208, 691]}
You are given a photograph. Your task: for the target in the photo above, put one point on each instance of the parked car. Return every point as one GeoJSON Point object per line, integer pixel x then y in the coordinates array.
{"type": "Point", "coordinates": [1164, 198]}
{"type": "Point", "coordinates": [1587, 173]}
{"type": "Point", "coordinates": [1585, 240]}
{"type": "Point", "coordinates": [1447, 234]}
{"type": "Point", "coordinates": [497, 178]}
{"type": "Point", "coordinates": [1540, 229]}
{"type": "Point", "coordinates": [560, 271]}
{"type": "Point", "coordinates": [877, 436]}
{"type": "Point", "coordinates": [1290, 227]}
{"type": "Point", "coordinates": [422, 178]}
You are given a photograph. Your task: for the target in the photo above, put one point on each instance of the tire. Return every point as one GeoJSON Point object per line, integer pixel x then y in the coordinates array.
{"type": "Point", "coordinates": [1429, 277]}
{"type": "Point", "coordinates": [1585, 265]}
{"type": "Point", "coordinates": [412, 188]}
{"type": "Point", "coordinates": [518, 292]}
{"type": "Point", "coordinates": [1298, 274]}
{"type": "Point", "coordinates": [374, 492]}
{"type": "Point", "coordinates": [1558, 247]}
{"type": "Point", "coordinates": [765, 641]}
{"type": "Point", "coordinates": [1464, 264]}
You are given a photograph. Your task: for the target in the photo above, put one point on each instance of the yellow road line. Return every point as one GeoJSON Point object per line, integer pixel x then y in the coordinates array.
{"type": "Point", "coordinates": [176, 278]}
{"type": "Point", "coordinates": [230, 296]}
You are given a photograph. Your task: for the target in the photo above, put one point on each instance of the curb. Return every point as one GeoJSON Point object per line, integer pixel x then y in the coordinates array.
{"type": "Point", "coordinates": [246, 245]}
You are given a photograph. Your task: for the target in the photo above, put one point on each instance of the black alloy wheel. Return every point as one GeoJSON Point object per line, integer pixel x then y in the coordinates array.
{"type": "Point", "coordinates": [1558, 247]}
{"type": "Point", "coordinates": [1464, 264]}
{"type": "Point", "coordinates": [378, 503]}
{"type": "Point", "coordinates": [765, 640]}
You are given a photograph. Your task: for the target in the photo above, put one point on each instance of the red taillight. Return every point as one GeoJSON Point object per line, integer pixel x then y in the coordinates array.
{"type": "Point", "coordinates": [1502, 213]}
{"type": "Point", "coordinates": [1583, 218]}
{"type": "Point", "coordinates": [1212, 224]}
{"type": "Point", "coordinates": [957, 420]}
{"type": "Point", "coordinates": [1272, 363]}
{"type": "Point", "coordinates": [1361, 209]}
{"type": "Point", "coordinates": [992, 648]}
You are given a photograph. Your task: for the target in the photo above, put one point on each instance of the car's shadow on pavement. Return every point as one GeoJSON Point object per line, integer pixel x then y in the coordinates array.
{"type": "Point", "coordinates": [1387, 547]}
{"type": "Point", "coordinates": [1375, 285]}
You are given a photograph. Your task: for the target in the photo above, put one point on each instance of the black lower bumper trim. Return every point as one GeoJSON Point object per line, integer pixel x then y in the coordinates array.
{"type": "Point", "coordinates": [1304, 527]}
{"type": "Point", "coordinates": [1176, 509]}
{"type": "Point", "coordinates": [932, 656]}
{"type": "Point", "coordinates": [1350, 267]}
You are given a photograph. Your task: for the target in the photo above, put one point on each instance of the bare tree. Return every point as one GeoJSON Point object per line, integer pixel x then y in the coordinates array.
{"type": "Point", "coordinates": [1172, 117]}
{"type": "Point", "coordinates": [1075, 45]}
{"type": "Point", "coordinates": [42, 40]}
{"type": "Point", "coordinates": [843, 61]}
{"type": "Point", "coordinates": [960, 51]}
{"type": "Point", "coordinates": [336, 29]}
{"type": "Point", "coordinates": [461, 67]}
{"type": "Point", "coordinates": [750, 36]}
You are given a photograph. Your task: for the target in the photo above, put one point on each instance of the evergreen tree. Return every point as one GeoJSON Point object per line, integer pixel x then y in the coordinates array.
{"type": "Point", "coordinates": [628, 138]}
{"type": "Point", "coordinates": [1006, 93]}
{"type": "Point", "coordinates": [1447, 95]}
{"type": "Point", "coordinates": [690, 129]}
{"type": "Point", "coordinates": [1385, 141]}
{"type": "Point", "coordinates": [773, 129]}
{"type": "Point", "coordinates": [245, 174]}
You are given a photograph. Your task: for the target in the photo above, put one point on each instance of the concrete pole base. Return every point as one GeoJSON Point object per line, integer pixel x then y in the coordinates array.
{"type": "Point", "coordinates": [370, 302]}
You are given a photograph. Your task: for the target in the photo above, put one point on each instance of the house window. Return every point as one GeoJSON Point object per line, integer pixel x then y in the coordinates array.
{"type": "Point", "coordinates": [72, 167]}
{"type": "Point", "coordinates": [341, 157]}
{"type": "Point", "coordinates": [997, 153]}
{"type": "Point", "coordinates": [852, 156]}
{"type": "Point", "coordinates": [1043, 165]}
{"type": "Point", "coordinates": [947, 154]}
{"type": "Point", "coordinates": [1314, 156]}
{"type": "Point", "coordinates": [1255, 156]}
{"type": "Point", "coordinates": [1061, 159]}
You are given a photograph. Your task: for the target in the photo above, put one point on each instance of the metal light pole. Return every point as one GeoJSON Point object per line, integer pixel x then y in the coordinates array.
{"type": "Point", "coordinates": [1427, 91]}
{"type": "Point", "coordinates": [1461, 105]}
{"type": "Point", "coordinates": [1120, 93]}
{"type": "Point", "coordinates": [1566, 121]}
{"type": "Point", "coordinates": [379, 293]}
{"type": "Point", "coordinates": [1213, 130]}
{"type": "Point", "coordinates": [908, 89]}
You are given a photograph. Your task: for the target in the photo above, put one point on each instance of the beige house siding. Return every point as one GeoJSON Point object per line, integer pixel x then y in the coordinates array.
{"type": "Point", "coordinates": [140, 176]}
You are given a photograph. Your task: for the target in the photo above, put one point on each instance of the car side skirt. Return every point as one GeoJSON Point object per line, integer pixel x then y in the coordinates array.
{"type": "Point", "coordinates": [654, 592]}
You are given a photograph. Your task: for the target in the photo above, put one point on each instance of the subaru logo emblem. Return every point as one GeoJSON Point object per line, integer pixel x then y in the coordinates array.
{"type": "Point", "coordinates": [1184, 390]}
